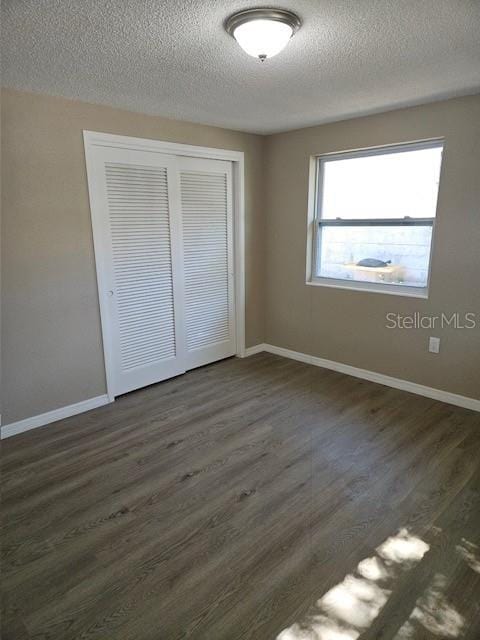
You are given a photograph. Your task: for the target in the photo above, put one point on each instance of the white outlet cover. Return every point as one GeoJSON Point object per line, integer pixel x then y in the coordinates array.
{"type": "Point", "coordinates": [434, 345]}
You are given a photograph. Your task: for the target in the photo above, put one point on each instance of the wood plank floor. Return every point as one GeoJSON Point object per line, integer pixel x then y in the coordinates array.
{"type": "Point", "coordinates": [250, 499]}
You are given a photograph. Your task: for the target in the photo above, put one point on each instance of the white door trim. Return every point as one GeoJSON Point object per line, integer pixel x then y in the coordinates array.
{"type": "Point", "coordinates": [93, 140]}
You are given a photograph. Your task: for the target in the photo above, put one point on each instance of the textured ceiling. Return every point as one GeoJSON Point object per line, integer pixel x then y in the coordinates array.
{"type": "Point", "coordinates": [173, 57]}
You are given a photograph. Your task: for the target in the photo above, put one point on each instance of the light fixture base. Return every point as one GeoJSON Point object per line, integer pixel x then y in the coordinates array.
{"type": "Point", "coordinates": [263, 13]}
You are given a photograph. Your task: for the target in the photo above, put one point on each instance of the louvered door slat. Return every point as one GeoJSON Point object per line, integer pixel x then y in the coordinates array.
{"type": "Point", "coordinates": [205, 188]}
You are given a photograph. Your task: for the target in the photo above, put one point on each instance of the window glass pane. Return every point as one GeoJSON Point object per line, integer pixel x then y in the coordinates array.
{"type": "Point", "coordinates": [387, 185]}
{"type": "Point", "coordinates": [405, 249]}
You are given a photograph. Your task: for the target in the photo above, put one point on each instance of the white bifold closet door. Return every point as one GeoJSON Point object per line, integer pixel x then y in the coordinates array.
{"type": "Point", "coordinates": [164, 251]}
{"type": "Point", "coordinates": [206, 205]}
{"type": "Point", "coordinates": [140, 254]}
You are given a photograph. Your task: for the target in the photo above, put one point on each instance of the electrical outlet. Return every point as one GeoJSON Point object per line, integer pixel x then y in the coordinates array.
{"type": "Point", "coordinates": [434, 345]}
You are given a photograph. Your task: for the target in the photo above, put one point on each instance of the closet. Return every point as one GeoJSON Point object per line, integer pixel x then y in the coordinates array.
{"type": "Point", "coordinates": [163, 235]}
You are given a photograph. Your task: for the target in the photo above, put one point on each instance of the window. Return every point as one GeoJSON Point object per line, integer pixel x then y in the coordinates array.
{"type": "Point", "coordinates": [374, 218]}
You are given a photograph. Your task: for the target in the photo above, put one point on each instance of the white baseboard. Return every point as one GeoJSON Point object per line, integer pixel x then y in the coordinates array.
{"type": "Point", "coordinates": [258, 348]}
{"type": "Point", "coordinates": [14, 428]}
{"type": "Point", "coordinates": [372, 376]}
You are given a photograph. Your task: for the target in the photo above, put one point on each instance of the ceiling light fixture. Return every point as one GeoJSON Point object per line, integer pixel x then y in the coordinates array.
{"type": "Point", "coordinates": [263, 33]}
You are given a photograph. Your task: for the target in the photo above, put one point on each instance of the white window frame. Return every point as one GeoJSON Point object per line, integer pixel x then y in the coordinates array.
{"type": "Point", "coordinates": [315, 217]}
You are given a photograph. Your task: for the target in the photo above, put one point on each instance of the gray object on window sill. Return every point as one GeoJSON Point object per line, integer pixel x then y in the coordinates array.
{"type": "Point", "coordinates": [373, 262]}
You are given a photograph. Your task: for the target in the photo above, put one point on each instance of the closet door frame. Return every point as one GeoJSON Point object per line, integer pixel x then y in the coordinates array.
{"type": "Point", "coordinates": [94, 140]}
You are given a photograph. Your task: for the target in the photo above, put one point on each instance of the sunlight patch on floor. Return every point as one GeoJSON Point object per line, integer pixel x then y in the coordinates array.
{"type": "Point", "coordinates": [319, 627]}
{"type": "Point", "coordinates": [403, 548]}
{"type": "Point", "coordinates": [434, 613]}
{"type": "Point", "coordinates": [373, 569]}
{"type": "Point", "coordinates": [470, 553]}
{"type": "Point", "coordinates": [351, 606]}
{"type": "Point", "coordinates": [355, 602]}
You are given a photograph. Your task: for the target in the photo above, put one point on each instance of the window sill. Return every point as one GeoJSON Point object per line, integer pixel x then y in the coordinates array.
{"type": "Point", "coordinates": [371, 287]}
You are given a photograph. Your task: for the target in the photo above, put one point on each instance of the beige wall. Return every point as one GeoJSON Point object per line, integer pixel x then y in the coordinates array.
{"type": "Point", "coordinates": [349, 326]}
{"type": "Point", "coordinates": [52, 353]}
{"type": "Point", "coordinates": [51, 342]}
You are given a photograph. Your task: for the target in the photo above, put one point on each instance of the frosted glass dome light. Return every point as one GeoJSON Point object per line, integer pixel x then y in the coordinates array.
{"type": "Point", "coordinates": [262, 33]}
{"type": "Point", "coordinates": [263, 38]}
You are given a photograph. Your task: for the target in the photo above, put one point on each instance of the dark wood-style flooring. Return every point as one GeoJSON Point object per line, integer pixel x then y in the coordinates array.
{"type": "Point", "coordinates": [250, 499]}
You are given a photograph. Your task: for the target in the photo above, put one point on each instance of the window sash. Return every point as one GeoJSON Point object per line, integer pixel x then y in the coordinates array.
{"type": "Point", "coordinates": [376, 222]}
{"type": "Point", "coordinates": [385, 150]}
{"type": "Point", "coordinates": [366, 222]}
{"type": "Point", "coordinates": [363, 223]}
